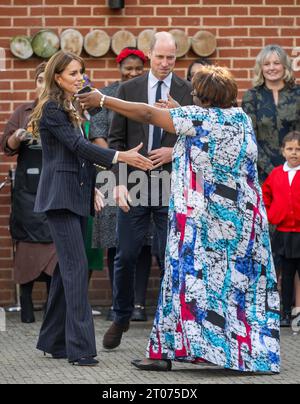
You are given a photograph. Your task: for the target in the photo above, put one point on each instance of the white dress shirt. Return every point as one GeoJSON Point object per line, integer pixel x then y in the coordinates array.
{"type": "Point", "coordinates": [152, 87]}
{"type": "Point", "coordinates": [292, 171]}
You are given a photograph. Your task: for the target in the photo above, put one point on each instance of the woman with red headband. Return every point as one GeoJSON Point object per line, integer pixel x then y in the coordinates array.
{"type": "Point", "coordinates": [131, 63]}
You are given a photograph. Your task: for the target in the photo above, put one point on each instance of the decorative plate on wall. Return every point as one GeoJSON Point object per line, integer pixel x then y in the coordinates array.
{"type": "Point", "coordinates": [96, 43]}
{"type": "Point", "coordinates": [144, 40]}
{"type": "Point", "coordinates": [45, 43]}
{"type": "Point", "coordinates": [71, 40]}
{"type": "Point", "coordinates": [20, 46]}
{"type": "Point", "coordinates": [182, 40]}
{"type": "Point", "coordinates": [204, 43]}
{"type": "Point", "coordinates": [121, 40]}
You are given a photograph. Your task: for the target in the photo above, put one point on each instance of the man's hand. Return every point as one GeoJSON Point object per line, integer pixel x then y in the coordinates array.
{"type": "Point", "coordinates": [167, 104]}
{"type": "Point", "coordinates": [99, 200]}
{"type": "Point", "coordinates": [161, 156]}
{"type": "Point", "coordinates": [135, 159]}
{"type": "Point", "coordinates": [89, 100]}
{"type": "Point", "coordinates": [122, 197]}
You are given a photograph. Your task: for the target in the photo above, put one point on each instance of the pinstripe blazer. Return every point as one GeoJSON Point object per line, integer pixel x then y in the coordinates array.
{"type": "Point", "coordinates": [68, 175]}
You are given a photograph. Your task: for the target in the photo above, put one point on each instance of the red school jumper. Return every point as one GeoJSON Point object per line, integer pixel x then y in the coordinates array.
{"type": "Point", "coordinates": [282, 200]}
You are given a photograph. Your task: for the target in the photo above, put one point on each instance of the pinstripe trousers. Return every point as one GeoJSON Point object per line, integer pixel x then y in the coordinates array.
{"type": "Point", "coordinates": [68, 327]}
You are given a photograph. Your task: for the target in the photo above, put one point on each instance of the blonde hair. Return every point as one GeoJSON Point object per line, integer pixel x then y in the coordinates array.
{"type": "Point", "coordinates": [53, 92]}
{"type": "Point", "coordinates": [288, 77]}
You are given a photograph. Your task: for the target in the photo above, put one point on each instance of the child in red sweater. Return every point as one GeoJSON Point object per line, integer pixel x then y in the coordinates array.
{"type": "Point", "coordinates": [281, 192]}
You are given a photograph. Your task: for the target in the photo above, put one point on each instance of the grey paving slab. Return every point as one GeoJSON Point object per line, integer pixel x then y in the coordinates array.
{"type": "Point", "coordinates": [21, 363]}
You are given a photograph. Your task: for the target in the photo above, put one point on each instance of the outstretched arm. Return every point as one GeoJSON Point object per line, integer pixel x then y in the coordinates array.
{"type": "Point", "coordinates": [60, 127]}
{"type": "Point", "coordinates": [136, 111]}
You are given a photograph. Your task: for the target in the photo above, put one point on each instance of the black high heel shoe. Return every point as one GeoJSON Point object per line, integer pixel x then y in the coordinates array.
{"type": "Point", "coordinates": [163, 365]}
{"type": "Point", "coordinates": [85, 362]}
{"type": "Point", "coordinates": [57, 355]}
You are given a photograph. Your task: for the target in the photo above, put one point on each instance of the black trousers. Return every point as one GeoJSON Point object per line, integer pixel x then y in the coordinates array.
{"type": "Point", "coordinates": [142, 272]}
{"type": "Point", "coordinates": [68, 327]}
{"type": "Point", "coordinates": [289, 269]}
{"type": "Point", "coordinates": [132, 228]}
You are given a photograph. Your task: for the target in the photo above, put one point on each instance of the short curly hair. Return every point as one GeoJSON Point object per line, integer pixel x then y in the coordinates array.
{"type": "Point", "coordinates": [215, 86]}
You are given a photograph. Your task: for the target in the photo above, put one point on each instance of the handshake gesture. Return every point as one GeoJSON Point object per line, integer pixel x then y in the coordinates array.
{"type": "Point", "coordinates": [135, 159]}
{"type": "Point", "coordinates": [131, 157]}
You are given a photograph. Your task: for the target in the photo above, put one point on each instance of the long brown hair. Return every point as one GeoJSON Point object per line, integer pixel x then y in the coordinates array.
{"type": "Point", "coordinates": [53, 92]}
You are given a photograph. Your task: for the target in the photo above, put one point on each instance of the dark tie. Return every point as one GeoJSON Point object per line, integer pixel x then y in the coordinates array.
{"type": "Point", "coordinates": [157, 131]}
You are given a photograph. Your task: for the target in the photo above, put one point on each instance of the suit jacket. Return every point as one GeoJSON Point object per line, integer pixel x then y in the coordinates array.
{"type": "Point", "coordinates": [68, 175]}
{"type": "Point", "coordinates": [124, 134]}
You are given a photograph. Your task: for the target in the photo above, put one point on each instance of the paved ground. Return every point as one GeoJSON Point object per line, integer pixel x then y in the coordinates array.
{"type": "Point", "coordinates": [21, 363]}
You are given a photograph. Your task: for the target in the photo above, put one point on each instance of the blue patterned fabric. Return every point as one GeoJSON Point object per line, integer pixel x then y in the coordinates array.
{"type": "Point", "coordinates": [219, 301]}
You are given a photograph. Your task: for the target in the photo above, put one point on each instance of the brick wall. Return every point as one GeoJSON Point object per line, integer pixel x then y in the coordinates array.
{"type": "Point", "coordinates": [242, 28]}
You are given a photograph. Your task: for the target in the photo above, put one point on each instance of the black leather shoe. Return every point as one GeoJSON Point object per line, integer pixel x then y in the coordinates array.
{"type": "Point", "coordinates": [85, 362]}
{"type": "Point", "coordinates": [139, 313]}
{"type": "Point", "coordinates": [163, 365]}
{"type": "Point", "coordinates": [112, 337]}
{"type": "Point", "coordinates": [110, 315]}
{"type": "Point", "coordinates": [285, 320]}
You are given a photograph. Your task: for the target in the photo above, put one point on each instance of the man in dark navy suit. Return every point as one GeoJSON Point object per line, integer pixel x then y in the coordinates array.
{"type": "Point", "coordinates": [66, 195]}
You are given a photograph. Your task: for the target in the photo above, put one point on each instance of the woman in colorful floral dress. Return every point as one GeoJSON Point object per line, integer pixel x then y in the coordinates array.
{"type": "Point", "coordinates": [219, 301]}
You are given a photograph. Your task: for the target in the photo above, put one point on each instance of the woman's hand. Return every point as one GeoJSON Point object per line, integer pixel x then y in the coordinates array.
{"type": "Point", "coordinates": [21, 134]}
{"type": "Point", "coordinates": [170, 103]}
{"type": "Point", "coordinates": [14, 141]}
{"type": "Point", "coordinates": [135, 159]}
{"type": "Point", "coordinates": [99, 200]}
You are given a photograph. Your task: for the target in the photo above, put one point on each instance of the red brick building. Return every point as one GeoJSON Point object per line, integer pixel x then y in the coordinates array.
{"type": "Point", "coordinates": [242, 28]}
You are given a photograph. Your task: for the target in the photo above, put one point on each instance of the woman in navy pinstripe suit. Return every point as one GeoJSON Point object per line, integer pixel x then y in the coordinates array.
{"type": "Point", "coordinates": [66, 195]}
